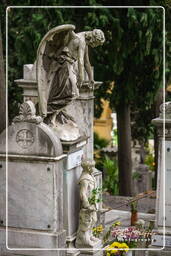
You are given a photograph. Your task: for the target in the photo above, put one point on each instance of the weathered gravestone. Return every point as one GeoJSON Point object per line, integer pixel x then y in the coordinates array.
{"type": "Point", "coordinates": [143, 179]}
{"type": "Point", "coordinates": [162, 239]}
{"type": "Point", "coordinates": [63, 94]}
{"type": "Point", "coordinates": [34, 176]}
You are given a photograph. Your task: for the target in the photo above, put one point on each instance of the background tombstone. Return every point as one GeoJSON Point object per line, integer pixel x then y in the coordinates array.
{"type": "Point", "coordinates": [162, 238]}
{"type": "Point", "coordinates": [143, 179]}
{"type": "Point", "coordinates": [35, 186]}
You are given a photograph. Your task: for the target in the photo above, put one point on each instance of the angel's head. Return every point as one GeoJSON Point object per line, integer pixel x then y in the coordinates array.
{"type": "Point", "coordinates": [88, 165]}
{"type": "Point", "coordinates": [95, 38]}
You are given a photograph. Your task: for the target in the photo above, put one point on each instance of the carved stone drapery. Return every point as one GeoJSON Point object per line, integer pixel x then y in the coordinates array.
{"type": "Point", "coordinates": [62, 60]}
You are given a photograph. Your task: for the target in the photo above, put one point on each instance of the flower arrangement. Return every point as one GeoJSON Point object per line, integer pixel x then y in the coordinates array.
{"type": "Point", "coordinates": [108, 233]}
{"type": "Point", "coordinates": [98, 230]}
{"type": "Point", "coordinates": [133, 236]}
{"type": "Point", "coordinates": [117, 249]}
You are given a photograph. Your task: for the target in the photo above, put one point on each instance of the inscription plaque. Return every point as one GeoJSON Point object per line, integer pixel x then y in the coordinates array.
{"type": "Point", "coordinates": [74, 159]}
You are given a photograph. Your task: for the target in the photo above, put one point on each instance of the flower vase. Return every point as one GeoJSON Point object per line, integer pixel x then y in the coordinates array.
{"type": "Point", "coordinates": [134, 218]}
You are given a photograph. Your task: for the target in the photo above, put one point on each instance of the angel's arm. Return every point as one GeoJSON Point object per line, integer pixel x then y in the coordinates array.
{"type": "Point", "coordinates": [88, 65]}
{"type": "Point", "coordinates": [81, 50]}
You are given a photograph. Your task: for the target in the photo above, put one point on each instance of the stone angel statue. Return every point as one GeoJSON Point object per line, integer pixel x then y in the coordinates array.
{"type": "Point", "coordinates": [88, 208]}
{"type": "Point", "coordinates": [61, 60]}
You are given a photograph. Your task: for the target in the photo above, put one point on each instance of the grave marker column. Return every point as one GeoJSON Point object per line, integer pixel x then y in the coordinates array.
{"type": "Point", "coordinates": [162, 237]}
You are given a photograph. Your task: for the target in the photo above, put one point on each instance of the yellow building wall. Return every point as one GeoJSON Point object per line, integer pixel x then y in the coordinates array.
{"type": "Point", "coordinates": [103, 125]}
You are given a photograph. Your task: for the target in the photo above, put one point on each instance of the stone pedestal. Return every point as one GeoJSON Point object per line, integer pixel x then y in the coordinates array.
{"type": "Point", "coordinates": [82, 110]}
{"type": "Point", "coordinates": [34, 186]}
{"type": "Point", "coordinates": [162, 238]}
{"type": "Point", "coordinates": [29, 83]}
{"type": "Point", "coordinates": [93, 252]}
{"type": "Point", "coordinates": [72, 172]}
{"type": "Point", "coordinates": [96, 250]}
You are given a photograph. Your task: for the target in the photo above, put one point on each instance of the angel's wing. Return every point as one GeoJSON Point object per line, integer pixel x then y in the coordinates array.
{"type": "Point", "coordinates": [51, 45]}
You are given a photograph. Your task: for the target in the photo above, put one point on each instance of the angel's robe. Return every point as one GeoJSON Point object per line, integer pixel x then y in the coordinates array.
{"type": "Point", "coordinates": [62, 78]}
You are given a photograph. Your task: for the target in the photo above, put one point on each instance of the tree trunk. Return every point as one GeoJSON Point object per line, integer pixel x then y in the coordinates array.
{"type": "Point", "coordinates": [2, 89]}
{"type": "Point", "coordinates": [124, 149]}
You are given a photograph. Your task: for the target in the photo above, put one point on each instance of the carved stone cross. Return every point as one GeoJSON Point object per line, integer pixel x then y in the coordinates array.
{"type": "Point", "coordinates": [24, 138]}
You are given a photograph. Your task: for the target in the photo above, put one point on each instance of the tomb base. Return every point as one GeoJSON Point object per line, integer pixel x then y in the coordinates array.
{"type": "Point", "coordinates": [160, 243]}
{"type": "Point", "coordinates": [32, 243]}
{"type": "Point", "coordinates": [95, 250]}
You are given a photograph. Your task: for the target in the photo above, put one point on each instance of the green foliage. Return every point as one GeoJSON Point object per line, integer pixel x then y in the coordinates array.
{"type": "Point", "coordinates": [107, 235]}
{"type": "Point", "coordinates": [95, 196]}
{"type": "Point", "coordinates": [115, 137]}
{"type": "Point", "coordinates": [99, 142]}
{"type": "Point", "coordinates": [136, 175]}
{"type": "Point", "coordinates": [141, 127]}
{"type": "Point", "coordinates": [26, 28]}
{"type": "Point", "coordinates": [149, 161]}
{"type": "Point", "coordinates": [131, 56]}
{"type": "Point", "coordinates": [134, 206]}
{"type": "Point", "coordinates": [140, 56]}
{"type": "Point", "coordinates": [110, 169]}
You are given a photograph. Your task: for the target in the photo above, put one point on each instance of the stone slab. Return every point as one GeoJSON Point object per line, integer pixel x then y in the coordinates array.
{"type": "Point", "coordinates": [160, 187]}
{"type": "Point", "coordinates": [89, 252]}
{"type": "Point", "coordinates": [161, 240]}
{"type": "Point", "coordinates": [157, 251]}
{"type": "Point", "coordinates": [23, 239]}
{"type": "Point", "coordinates": [5, 252]}
{"type": "Point", "coordinates": [168, 183]}
{"type": "Point", "coordinates": [30, 195]}
{"type": "Point", "coordinates": [164, 190]}
{"type": "Point", "coordinates": [2, 193]}
{"type": "Point", "coordinates": [71, 200]}
{"type": "Point", "coordinates": [139, 253]}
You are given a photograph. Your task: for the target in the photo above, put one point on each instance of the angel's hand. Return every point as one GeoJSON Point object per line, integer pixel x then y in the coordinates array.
{"type": "Point", "coordinates": [79, 82]}
{"type": "Point", "coordinates": [91, 84]}
{"type": "Point", "coordinates": [44, 115]}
